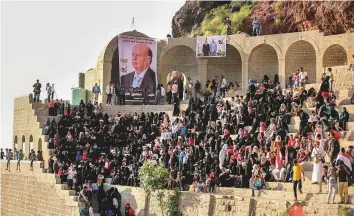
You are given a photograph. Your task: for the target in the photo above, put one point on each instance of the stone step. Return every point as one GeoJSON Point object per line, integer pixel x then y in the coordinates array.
{"type": "Point", "coordinates": [282, 195]}
{"type": "Point", "coordinates": [306, 187]}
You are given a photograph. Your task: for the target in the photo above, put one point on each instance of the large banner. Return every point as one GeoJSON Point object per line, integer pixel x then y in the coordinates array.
{"type": "Point", "coordinates": [137, 67]}
{"type": "Point", "coordinates": [211, 46]}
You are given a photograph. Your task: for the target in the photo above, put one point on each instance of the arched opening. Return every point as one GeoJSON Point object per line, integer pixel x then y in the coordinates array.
{"type": "Point", "coordinates": [229, 66]}
{"type": "Point", "coordinates": [31, 147]}
{"type": "Point", "coordinates": [115, 67]}
{"type": "Point", "coordinates": [182, 59]}
{"type": "Point", "coordinates": [334, 55]}
{"type": "Point", "coordinates": [15, 143]}
{"type": "Point", "coordinates": [23, 147]}
{"type": "Point", "coordinates": [263, 60]}
{"type": "Point", "coordinates": [40, 144]}
{"type": "Point", "coordinates": [301, 54]}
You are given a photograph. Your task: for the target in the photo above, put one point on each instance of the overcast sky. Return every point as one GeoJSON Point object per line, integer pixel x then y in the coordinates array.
{"type": "Point", "coordinates": [54, 41]}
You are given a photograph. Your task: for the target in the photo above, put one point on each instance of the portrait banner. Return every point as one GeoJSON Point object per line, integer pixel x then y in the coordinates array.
{"type": "Point", "coordinates": [138, 67]}
{"type": "Point", "coordinates": [211, 46]}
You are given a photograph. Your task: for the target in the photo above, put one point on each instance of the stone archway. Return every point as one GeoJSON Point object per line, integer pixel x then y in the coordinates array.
{"type": "Point", "coordinates": [301, 54]}
{"type": "Point", "coordinates": [15, 143]}
{"type": "Point", "coordinates": [263, 60]}
{"type": "Point", "coordinates": [115, 67]}
{"type": "Point", "coordinates": [23, 147]}
{"type": "Point", "coordinates": [30, 144]}
{"type": "Point", "coordinates": [229, 66]}
{"type": "Point", "coordinates": [182, 59]}
{"type": "Point", "coordinates": [334, 55]}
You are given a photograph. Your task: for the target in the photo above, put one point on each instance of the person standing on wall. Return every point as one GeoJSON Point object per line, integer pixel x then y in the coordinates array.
{"type": "Point", "coordinates": [122, 95]}
{"type": "Point", "coordinates": [114, 95]}
{"type": "Point", "coordinates": [8, 158]}
{"type": "Point", "coordinates": [20, 158]}
{"type": "Point", "coordinates": [331, 78]}
{"type": "Point", "coordinates": [228, 25]}
{"type": "Point", "coordinates": [2, 154]}
{"type": "Point", "coordinates": [96, 90]}
{"type": "Point", "coordinates": [223, 84]}
{"type": "Point", "coordinates": [109, 93]}
{"type": "Point", "coordinates": [53, 91]}
{"type": "Point", "coordinates": [214, 86]}
{"type": "Point", "coordinates": [163, 94]}
{"type": "Point", "coordinates": [48, 88]}
{"type": "Point", "coordinates": [256, 25]}
{"type": "Point", "coordinates": [32, 157]}
{"type": "Point", "coordinates": [37, 91]}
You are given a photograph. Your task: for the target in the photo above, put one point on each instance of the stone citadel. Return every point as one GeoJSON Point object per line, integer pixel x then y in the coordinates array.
{"type": "Point", "coordinates": [40, 193]}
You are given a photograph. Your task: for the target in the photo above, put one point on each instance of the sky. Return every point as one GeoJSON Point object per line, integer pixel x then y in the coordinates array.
{"type": "Point", "coordinates": [54, 41]}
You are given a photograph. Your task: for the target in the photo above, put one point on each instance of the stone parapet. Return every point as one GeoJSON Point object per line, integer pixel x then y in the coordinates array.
{"type": "Point", "coordinates": [230, 202]}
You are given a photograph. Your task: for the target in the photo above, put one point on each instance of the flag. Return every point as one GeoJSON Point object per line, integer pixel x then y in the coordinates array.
{"type": "Point", "coordinates": [279, 159]}
{"type": "Point", "coordinates": [345, 160]}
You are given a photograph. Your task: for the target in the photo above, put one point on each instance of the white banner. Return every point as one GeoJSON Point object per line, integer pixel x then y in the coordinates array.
{"type": "Point", "coordinates": [211, 46]}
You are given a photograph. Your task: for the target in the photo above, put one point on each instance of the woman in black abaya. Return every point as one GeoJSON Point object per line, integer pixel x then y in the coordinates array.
{"type": "Point", "coordinates": [175, 105]}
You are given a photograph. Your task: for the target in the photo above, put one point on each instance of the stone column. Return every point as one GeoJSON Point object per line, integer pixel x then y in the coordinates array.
{"type": "Point", "coordinates": [244, 77]}
{"type": "Point", "coordinates": [282, 76]}
{"type": "Point", "coordinates": [319, 67]}
{"type": "Point", "coordinates": [81, 80]}
{"type": "Point", "coordinates": [203, 69]}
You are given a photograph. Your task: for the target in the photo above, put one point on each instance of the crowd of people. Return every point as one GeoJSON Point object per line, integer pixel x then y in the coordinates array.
{"type": "Point", "coordinates": [243, 142]}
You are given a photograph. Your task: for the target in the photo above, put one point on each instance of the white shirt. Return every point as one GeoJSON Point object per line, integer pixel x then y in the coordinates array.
{"type": "Point", "coordinates": [108, 89]}
{"type": "Point", "coordinates": [223, 83]}
{"type": "Point", "coordinates": [213, 47]}
{"type": "Point", "coordinates": [163, 92]}
{"type": "Point", "coordinates": [303, 75]}
{"type": "Point", "coordinates": [138, 78]}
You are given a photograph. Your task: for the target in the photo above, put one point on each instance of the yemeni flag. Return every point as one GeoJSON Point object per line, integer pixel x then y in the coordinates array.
{"type": "Point", "coordinates": [279, 159]}
{"type": "Point", "coordinates": [345, 160]}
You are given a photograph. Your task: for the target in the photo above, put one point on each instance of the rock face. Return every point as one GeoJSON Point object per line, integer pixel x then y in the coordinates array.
{"type": "Point", "coordinates": [334, 17]}
{"type": "Point", "coordinates": [191, 15]}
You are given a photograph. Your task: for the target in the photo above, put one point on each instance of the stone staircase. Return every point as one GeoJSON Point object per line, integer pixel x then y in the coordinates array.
{"type": "Point", "coordinates": [343, 88]}
{"type": "Point", "coordinates": [35, 192]}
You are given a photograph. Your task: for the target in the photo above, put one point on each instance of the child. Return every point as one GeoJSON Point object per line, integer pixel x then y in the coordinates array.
{"type": "Point", "coordinates": [331, 177]}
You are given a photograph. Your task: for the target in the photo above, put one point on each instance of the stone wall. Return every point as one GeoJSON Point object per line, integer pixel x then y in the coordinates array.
{"type": "Point", "coordinates": [195, 204]}
{"type": "Point", "coordinates": [27, 131]}
{"type": "Point", "coordinates": [112, 110]}
{"type": "Point", "coordinates": [248, 57]}
{"type": "Point", "coordinates": [29, 193]}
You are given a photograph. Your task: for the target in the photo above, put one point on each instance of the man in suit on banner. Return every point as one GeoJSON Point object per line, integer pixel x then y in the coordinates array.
{"type": "Point", "coordinates": [143, 76]}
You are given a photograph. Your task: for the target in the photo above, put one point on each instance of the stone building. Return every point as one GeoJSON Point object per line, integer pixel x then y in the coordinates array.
{"type": "Point", "coordinates": [247, 57]}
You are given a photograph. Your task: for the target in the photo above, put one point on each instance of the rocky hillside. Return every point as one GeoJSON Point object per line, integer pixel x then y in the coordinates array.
{"type": "Point", "coordinates": [206, 17]}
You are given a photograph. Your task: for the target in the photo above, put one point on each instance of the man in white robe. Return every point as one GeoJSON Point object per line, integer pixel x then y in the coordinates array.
{"type": "Point", "coordinates": [317, 155]}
